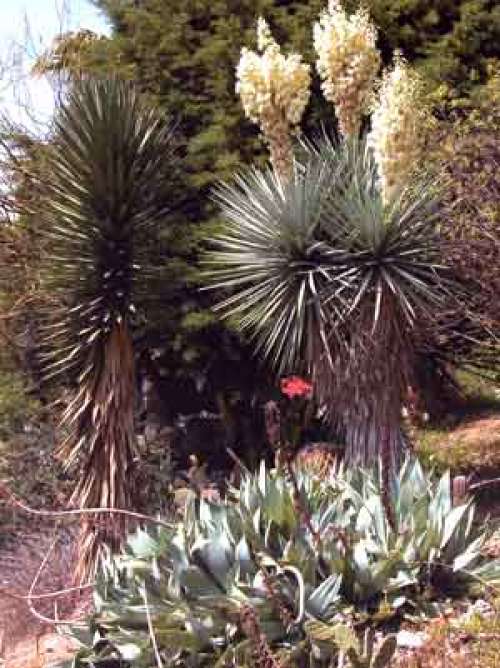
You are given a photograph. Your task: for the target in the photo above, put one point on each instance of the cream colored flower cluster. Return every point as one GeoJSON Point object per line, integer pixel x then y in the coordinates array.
{"type": "Point", "coordinates": [348, 62]}
{"type": "Point", "coordinates": [274, 90]}
{"type": "Point", "coordinates": [398, 122]}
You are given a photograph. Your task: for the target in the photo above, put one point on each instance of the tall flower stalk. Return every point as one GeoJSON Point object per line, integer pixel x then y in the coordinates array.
{"type": "Point", "coordinates": [398, 123]}
{"type": "Point", "coordinates": [348, 63]}
{"type": "Point", "coordinates": [274, 91]}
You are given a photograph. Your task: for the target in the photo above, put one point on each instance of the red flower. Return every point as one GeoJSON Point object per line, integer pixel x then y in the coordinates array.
{"type": "Point", "coordinates": [294, 386]}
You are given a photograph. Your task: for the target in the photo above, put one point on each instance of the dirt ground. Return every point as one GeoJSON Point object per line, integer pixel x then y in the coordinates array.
{"type": "Point", "coordinates": [480, 439]}
{"type": "Point", "coordinates": [27, 641]}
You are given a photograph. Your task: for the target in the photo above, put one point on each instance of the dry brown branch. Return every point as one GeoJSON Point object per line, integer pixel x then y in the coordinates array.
{"type": "Point", "coordinates": [6, 494]}
{"type": "Point", "coordinates": [34, 582]}
{"type": "Point", "coordinates": [51, 594]}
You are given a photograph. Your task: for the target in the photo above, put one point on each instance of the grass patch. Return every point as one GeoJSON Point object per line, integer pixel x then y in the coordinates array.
{"type": "Point", "coordinates": [482, 392]}
{"type": "Point", "coordinates": [470, 448]}
{"type": "Point", "coordinates": [17, 406]}
{"type": "Point", "coordinates": [467, 442]}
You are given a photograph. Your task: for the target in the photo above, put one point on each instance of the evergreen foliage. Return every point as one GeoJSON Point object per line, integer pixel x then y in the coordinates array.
{"type": "Point", "coordinates": [183, 56]}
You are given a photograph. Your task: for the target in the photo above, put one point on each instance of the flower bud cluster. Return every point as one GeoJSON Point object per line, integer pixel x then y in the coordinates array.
{"type": "Point", "coordinates": [348, 62]}
{"type": "Point", "coordinates": [274, 90]}
{"type": "Point", "coordinates": [399, 119]}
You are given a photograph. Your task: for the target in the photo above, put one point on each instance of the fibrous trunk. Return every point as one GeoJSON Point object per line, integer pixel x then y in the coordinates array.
{"type": "Point", "coordinates": [374, 439]}
{"type": "Point", "coordinates": [362, 382]}
{"type": "Point", "coordinates": [104, 414]}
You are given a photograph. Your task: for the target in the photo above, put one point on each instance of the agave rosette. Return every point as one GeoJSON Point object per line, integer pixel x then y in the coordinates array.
{"type": "Point", "coordinates": [256, 549]}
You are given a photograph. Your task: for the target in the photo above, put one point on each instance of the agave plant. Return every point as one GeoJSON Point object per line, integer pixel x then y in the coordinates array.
{"type": "Point", "coordinates": [184, 593]}
{"type": "Point", "coordinates": [325, 275]}
{"type": "Point", "coordinates": [108, 191]}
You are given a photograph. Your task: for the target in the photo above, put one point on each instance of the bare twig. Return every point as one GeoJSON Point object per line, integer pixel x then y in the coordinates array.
{"type": "Point", "coordinates": [483, 483]}
{"type": "Point", "coordinates": [51, 594]}
{"type": "Point", "coordinates": [80, 511]}
{"type": "Point", "coordinates": [30, 597]}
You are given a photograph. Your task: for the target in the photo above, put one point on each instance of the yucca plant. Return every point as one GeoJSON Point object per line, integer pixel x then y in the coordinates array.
{"type": "Point", "coordinates": [110, 160]}
{"type": "Point", "coordinates": [335, 264]}
{"type": "Point", "coordinates": [335, 282]}
{"type": "Point", "coordinates": [188, 593]}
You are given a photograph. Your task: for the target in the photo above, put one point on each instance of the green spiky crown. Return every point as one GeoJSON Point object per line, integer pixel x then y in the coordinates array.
{"type": "Point", "coordinates": [109, 189]}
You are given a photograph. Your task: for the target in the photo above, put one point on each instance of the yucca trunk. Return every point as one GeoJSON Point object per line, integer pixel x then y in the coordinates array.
{"type": "Point", "coordinates": [327, 276]}
{"type": "Point", "coordinates": [373, 439]}
{"type": "Point", "coordinates": [376, 442]}
{"type": "Point", "coordinates": [363, 385]}
{"type": "Point", "coordinates": [107, 422]}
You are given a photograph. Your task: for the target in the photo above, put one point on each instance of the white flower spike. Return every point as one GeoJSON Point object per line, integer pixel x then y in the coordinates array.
{"type": "Point", "coordinates": [274, 91]}
{"type": "Point", "coordinates": [398, 123]}
{"type": "Point", "coordinates": [348, 62]}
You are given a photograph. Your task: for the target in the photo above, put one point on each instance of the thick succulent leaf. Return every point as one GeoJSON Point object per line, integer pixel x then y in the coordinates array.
{"type": "Point", "coordinates": [235, 554]}
{"type": "Point", "coordinates": [488, 571]}
{"type": "Point", "coordinates": [321, 602]}
{"type": "Point", "coordinates": [215, 555]}
{"type": "Point", "coordinates": [243, 558]}
{"type": "Point", "coordinates": [469, 557]}
{"type": "Point", "coordinates": [143, 544]}
{"type": "Point", "coordinates": [452, 523]}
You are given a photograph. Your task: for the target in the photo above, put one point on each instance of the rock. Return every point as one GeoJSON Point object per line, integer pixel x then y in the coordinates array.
{"type": "Point", "coordinates": [411, 639]}
{"type": "Point", "coordinates": [480, 608]}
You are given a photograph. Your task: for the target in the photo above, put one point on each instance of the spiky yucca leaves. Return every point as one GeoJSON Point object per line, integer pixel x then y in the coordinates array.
{"type": "Point", "coordinates": [325, 275]}
{"type": "Point", "coordinates": [108, 189]}
{"type": "Point", "coordinates": [270, 261]}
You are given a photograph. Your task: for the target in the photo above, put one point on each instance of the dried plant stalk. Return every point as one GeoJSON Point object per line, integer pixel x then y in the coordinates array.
{"type": "Point", "coordinates": [261, 651]}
